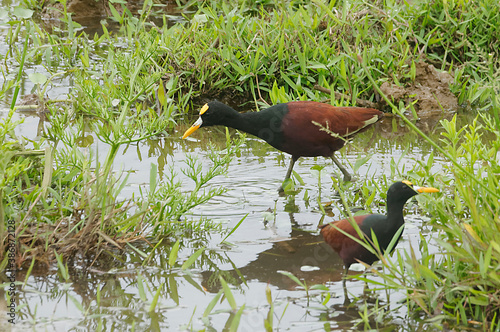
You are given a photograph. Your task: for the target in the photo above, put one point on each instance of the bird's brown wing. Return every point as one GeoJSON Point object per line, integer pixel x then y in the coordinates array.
{"type": "Point", "coordinates": [335, 238]}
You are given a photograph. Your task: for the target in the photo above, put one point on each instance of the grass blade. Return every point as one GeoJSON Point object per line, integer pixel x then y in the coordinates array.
{"type": "Point", "coordinates": [228, 293]}
{"type": "Point", "coordinates": [192, 258]}
{"type": "Point", "coordinates": [212, 304]}
{"type": "Point", "coordinates": [235, 227]}
{"type": "Point", "coordinates": [173, 254]}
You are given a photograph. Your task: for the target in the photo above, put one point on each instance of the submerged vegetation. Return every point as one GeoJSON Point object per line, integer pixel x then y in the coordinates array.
{"type": "Point", "coordinates": [133, 85]}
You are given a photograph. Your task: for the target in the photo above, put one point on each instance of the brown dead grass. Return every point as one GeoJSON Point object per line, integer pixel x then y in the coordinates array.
{"type": "Point", "coordinates": [73, 236]}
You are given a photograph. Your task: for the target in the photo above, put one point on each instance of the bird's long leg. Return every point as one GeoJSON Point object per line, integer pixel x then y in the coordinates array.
{"type": "Point", "coordinates": [347, 176]}
{"type": "Point", "coordinates": [290, 168]}
{"type": "Point", "coordinates": [346, 297]}
{"type": "Point", "coordinates": [288, 172]}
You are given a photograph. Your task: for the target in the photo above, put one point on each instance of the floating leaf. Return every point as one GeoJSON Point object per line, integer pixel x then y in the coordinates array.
{"type": "Point", "coordinates": [309, 268]}
{"type": "Point", "coordinates": [37, 78]}
{"type": "Point", "coordinates": [21, 12]}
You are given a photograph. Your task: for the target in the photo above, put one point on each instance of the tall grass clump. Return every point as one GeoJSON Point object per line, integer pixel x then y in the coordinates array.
{"type": "Point", "coordinates": [244, 50]}
{"type": "Point", "coordinates": [296, 47]}
{"type": "Point", "coordinates": [62, 190]}
{"type": "Point", "coordinates": [465, 37]}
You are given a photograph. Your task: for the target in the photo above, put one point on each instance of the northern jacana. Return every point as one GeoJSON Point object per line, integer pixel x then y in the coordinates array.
{"type": "Point", "coordinates": [296, 127]}
{"type": "Point", "coordinates": [384, 227]}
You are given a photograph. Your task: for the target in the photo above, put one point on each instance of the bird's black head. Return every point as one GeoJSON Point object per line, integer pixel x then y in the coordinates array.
{"type": "Point", "coordinates": [211, 114]}
{"type": "Point", "coordinates": [216, 113]}
{"type": "Point", "coordinates": [400, 192]}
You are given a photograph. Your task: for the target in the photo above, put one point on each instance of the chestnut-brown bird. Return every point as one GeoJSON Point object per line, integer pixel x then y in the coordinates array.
{"type": "Point", "coordinates": [296, 127]}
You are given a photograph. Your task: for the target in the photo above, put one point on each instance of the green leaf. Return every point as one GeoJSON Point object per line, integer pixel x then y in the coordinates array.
{"type": "Point", "coordinates": [228, 293]}
{"type": "Point", "coordinates": [115, 13]}
{"type": "Point", "coordinates": [428, 274]}
{"type": "Point", "coordinates": [479, 300]}
{"type": "Point", "coordinates": [85, 58]}
{"type": "Point", "coordinates": [172, 283]}
{"type": "Point", "coordinates": [161, 93]}
{"type": "Point", "coordinates": [269, 296]}
{"type": "Point", "coordinates": [212, 304]}
{"type": "Point", "coordinates": [236, 320]}
{"type": "Point", "coordinates": [47, 172]}
{"type": "Point", "coordinates": [37, 78]}
{"type": "Point", "coordinates": [156, 297]}
{"type": "Point", "coordinates": [235, 227]}
{"type": "Point", "coordinates": [294, 278]}
{"type": "Point", "coordinates": [319, 287]}
{"type": "Point", "coordinates": [140, 288]}
{"type": "Point", "coordinates": [188, 278]}
{"type": "Point", "coordinates": [173, 254]}
{"type": "Point", "coordinates": [21, 12]}
{"type": "Point", "coordinates": [192, 258]}
{"type": "Point", "coordinates": [153, 181]}
{"type": "Point", "coordinates": [77, 303]}
{"type": "Point", "coordinates": [361, 161]}
{"type": "Point", "coordinates": [370, 199]}
{"type": "Point", "coordinates": [298, 178]}
{"type": "Point", "coordinates": [343, 72]}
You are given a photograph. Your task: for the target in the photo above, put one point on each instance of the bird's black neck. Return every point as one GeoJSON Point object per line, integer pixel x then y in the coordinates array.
{"type": "Point", "coordinates": [395, 213]}
{"type": "Point", "coordinates": [265, 124]}
{"type": "Point", "coordinates": [248, 122]}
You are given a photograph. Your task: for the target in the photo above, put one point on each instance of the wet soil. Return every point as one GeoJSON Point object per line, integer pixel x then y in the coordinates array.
{"type": "Point", "coordinates": [430, 90]}
{"type": "Point", "coordinates": [82, 9]}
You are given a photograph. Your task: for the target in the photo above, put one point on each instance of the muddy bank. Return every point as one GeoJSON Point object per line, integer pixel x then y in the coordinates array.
{"type": "Point", "coordinates": [91, 9]}
{"type": "Point", "coordinates": [430, 90]}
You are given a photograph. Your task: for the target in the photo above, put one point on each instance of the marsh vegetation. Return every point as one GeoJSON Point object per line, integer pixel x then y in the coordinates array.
{"type": "Point", "coordinates": [124, 226]}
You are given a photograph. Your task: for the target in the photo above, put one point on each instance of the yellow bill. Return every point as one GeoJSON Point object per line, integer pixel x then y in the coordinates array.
{"type": "Point", "coordinates": [193, 128]}
{"type": "Point", "coordinates": [425, 189]}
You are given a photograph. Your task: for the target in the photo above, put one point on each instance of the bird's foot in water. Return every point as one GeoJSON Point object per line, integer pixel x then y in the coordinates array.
{"type": "Point", "coordinates": [347, 177]}
{"type": "Point", "coordinates": [287, 184]}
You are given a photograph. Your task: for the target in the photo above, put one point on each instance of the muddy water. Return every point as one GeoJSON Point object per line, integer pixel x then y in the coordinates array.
{"type": "Point", "coordinates": [257, 250]}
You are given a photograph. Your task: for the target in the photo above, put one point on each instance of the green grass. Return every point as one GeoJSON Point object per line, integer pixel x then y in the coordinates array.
{"type": "Point", "coordinates": [136, 83]}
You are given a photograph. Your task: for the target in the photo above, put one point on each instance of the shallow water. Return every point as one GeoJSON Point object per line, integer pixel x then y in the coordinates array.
{"type": "Point", "coordinates": [257, 250]}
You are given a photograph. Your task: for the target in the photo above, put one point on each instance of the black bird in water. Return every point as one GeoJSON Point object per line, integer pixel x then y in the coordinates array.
{"type": "Point", "coordinates": [383, 226]}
